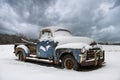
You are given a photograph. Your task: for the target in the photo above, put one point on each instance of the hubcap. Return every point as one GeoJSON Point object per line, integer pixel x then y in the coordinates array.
{"type": "Point", "coordinates": [68, 64]}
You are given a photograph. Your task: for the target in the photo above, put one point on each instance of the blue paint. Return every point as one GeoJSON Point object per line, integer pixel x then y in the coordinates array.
{"type": "Point", "coordinates": [75, 53]}
{"type": "Point", "coordinates": [45, 49]}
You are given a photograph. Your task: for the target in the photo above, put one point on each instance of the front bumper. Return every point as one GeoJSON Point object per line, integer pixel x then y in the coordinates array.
{"type": "Point", "coordinates": [92, 62]}
{"type": "Point", "coordinates": [96, 58]}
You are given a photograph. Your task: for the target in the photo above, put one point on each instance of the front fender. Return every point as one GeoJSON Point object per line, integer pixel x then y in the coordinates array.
{"type": "Point", "coordinates": [60, 53]}
{"type": "Point", "coordinates": [73, 48]}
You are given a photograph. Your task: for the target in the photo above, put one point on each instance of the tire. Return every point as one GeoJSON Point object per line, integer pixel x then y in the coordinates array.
{"type": "Point", "coordinates": [69, 62]}
{"type": "Point", "coordinates": [21, 56]}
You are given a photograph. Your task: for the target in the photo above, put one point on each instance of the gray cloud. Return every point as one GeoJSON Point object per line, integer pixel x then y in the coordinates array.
{"type": "Point", "coordinates": [116, 4]}
{"type": "Point", "coordinates": [23, 16]}
{"type": "Point", "coordinates": [98, 19]}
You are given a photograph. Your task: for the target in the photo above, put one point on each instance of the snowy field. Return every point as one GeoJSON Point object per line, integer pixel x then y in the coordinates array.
{"type": "Point", "coordinates": [12, 69]}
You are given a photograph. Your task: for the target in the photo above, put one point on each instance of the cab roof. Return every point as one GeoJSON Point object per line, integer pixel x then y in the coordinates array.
{"type": "Point", "coordinates": [53, 28]}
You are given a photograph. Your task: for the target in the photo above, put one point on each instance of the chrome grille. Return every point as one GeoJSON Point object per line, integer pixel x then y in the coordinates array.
{"type": "Point", "coordinates": [91, 53]}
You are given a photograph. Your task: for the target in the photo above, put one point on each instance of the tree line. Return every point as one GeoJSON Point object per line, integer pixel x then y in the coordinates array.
{"type": "Point", "coordinates": [11, 39]}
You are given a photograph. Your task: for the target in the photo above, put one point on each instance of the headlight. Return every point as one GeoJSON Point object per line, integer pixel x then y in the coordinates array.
{"type": "Point", "coordinates": [82, 57]}
{"type": "Point", "coordinates": [83, 50]}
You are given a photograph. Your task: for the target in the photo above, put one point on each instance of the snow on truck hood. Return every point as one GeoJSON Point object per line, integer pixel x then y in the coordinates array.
{"type": "Point", "coordinates": [71, 39]}
{"type": "Point", "coordinates": [74, 42]}
{"type": "Point", "coordinates": [74, 46]}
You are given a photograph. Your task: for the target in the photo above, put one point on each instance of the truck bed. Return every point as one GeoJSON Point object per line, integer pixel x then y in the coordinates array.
{"type": "Point", "coordinates": [32, 47]}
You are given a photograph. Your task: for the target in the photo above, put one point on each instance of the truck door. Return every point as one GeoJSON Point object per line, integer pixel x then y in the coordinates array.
{"type": "Point", "coordinates": [45, 46]}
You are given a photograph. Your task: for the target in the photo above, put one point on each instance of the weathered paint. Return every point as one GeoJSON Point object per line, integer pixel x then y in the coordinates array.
{"type": "Point", "coordinates": [74, 52]}
{"type": "Point", "coordinates": [45, 49]}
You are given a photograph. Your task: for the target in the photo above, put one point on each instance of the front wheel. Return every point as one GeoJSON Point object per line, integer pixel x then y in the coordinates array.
{"type": "Point", "coordinates": [21, 56]}
{"type": "Point", "coordinates": [69, 62]}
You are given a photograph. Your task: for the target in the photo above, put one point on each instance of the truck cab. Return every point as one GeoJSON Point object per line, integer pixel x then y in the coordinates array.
{"type": "Point", "coordinates": [60, 46]}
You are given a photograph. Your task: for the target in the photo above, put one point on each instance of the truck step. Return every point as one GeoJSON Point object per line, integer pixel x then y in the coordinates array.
{"type": "Point", "coordinates": [34, 57]}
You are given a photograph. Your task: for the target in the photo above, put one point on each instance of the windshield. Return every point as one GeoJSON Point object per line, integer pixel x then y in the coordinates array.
{"type": "Point", "coordinates": [62, 32]}
{"type": "Point", "coordinates": [93, 43]}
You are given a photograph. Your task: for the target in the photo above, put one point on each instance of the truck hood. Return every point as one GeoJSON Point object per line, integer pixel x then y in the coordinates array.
{"type": "Point", "coordinates": [71, 39]}
{"type": "Point", "coordinates": [76, 43]}
{"type": "Point", "coordinates": [74, 46]}
{"type": "Point", "coordinates": [82, 46]}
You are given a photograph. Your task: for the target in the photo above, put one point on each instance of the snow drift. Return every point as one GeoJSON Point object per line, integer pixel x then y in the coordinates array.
{"type": "Point", "coordinates": [12, 69]}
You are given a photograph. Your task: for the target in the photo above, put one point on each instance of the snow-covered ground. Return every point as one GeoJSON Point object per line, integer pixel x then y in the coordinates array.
{"type": "Point", "coordinates": [12, 69]}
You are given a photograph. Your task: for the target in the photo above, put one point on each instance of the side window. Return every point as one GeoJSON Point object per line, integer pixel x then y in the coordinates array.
{"type": "Point", "coordinates": [46, 34]}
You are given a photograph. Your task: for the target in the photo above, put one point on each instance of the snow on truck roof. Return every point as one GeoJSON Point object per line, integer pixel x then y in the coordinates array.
{"type": "Point", "coordinates": [66, 37]}
{"type": "Point", "coordinates": [55, 28]}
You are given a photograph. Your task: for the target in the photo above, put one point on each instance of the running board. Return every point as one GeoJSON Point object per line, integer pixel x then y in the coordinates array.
{"type": "Point", "coordinates": [34, 57]}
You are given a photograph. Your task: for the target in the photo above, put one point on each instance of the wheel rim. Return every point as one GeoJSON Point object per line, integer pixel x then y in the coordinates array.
{"type": "Point", "coordinates": [69, 64]}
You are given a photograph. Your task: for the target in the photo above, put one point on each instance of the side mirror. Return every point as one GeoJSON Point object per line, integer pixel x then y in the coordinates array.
{"type": "Point", "coordinates": [56, 43]}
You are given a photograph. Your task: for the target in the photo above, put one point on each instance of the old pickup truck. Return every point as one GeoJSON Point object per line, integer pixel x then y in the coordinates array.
{"type": "Point", "coordinates": [58, 45]}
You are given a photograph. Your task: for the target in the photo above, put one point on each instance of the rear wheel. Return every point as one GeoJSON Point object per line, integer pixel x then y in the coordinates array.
{"type": "Point", "coordinates": [69, 62]}
{"type": "Point", "coordinates": [21, 56]}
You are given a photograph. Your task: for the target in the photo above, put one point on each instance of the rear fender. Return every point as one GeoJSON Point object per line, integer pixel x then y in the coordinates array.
{"type": "Point", "coordinates": [22, 48]}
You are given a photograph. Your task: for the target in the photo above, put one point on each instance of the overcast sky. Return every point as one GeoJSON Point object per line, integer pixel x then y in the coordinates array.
{"type": "Point", "coordinates": [98, 19]}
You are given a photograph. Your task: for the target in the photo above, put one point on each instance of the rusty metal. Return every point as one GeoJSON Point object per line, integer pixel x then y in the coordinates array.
{"type": "Point", "coordinates": [88, 63]}
{"type": "Point", "coordinates": [17, 50]}
{"type": "Point", "coordinates": [95, 58]}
